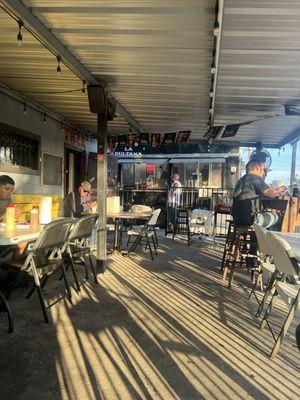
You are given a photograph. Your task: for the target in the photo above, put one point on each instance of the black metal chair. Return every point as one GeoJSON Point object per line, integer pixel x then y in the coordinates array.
{"type": "Point", "coordinates": [43, 259]}
{"type": "Point", "coordinates": [79, 247]}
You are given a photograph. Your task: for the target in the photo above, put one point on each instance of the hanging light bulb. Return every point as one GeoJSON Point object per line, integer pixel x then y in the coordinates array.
{"type": "Point", "coordinates": [24, 108]}
{"type": "Point", "coordinates": [20, 37]}
{"type": "Point", "coordinates": [58, 69]}
{"type": "Point", "coordinates": [211, 94]}
{"type": "Point", "coordinates": [45, 118]}
{"type": "Point", "coordinates": [83, 90]}
{"type": "Point", "coordinates": [61, 126]}
{"type": "Point", "coordinates": [216, 29]}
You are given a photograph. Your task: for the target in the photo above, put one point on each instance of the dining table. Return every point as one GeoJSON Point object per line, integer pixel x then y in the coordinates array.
{"type": "Point", "coordinates": [21, 233]}
{"type": "Point", "coordinates": [294, 241]}
{"type": "Point", "coordinates": [124, 215]}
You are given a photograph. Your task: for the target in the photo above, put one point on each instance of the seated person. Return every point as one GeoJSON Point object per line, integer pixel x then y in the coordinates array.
{"type": "Point", "coordinates": [7, 186]}
{"type": "Point", "coordinates": [79, 201]}
{"type": "Point", "coordinates": [249, 191]}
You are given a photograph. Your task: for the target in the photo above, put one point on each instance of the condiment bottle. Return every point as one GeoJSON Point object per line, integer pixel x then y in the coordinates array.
{"type": "Point", "coordinates": [34, 217]}
{"type": "Point", "coordinates": [10, 216]}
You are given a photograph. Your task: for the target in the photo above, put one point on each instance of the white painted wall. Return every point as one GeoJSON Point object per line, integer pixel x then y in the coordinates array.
{"type": "Point", "coordinates": [52, 141]}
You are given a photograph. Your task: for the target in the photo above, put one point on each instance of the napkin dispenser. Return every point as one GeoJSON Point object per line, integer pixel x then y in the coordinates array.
{"type": "Point", "coordinates": [45, 210]}
{"type": "Point", "coordinates": [113, 204]}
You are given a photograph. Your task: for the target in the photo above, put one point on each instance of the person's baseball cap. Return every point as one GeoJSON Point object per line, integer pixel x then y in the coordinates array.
{"type": "Point", "coordinates": [86, 186]}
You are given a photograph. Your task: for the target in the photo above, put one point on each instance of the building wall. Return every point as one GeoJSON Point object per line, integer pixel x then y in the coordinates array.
{"type": "Point", "coordinates": [52, 141]}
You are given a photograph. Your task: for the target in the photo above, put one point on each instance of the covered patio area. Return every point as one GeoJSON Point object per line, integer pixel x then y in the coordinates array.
{"type": "Point", "coordinates": [168, 329]}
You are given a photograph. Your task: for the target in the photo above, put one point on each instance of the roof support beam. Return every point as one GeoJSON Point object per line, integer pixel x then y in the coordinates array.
{"type": "Point", "coordinates": [45, 35]}
{"type": "Point", "coordinates": [294, 136]}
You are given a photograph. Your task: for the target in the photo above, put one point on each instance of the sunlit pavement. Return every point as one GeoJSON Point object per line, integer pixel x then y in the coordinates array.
{"type": "Point", "coordinates": [162, 329]}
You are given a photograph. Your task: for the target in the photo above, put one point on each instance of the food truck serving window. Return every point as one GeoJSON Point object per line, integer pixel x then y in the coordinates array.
{"type": "Point", "coordinates": [144, 176]}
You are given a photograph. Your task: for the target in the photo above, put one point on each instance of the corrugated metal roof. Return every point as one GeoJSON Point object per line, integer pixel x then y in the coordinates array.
{"type": "Point", "coordinates": [259, 69]}
{"type": "Point", "coordinates": [155, 58]}
{"type": "Point", "coordinates": [154, 55]}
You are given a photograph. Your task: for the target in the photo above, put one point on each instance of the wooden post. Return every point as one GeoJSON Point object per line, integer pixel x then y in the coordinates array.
{"type": "Point", "coordinates": [101, 191]}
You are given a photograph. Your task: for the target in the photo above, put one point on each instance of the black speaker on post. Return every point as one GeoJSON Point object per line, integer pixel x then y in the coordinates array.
{"type": "Point", "coordinates": [97, 99]}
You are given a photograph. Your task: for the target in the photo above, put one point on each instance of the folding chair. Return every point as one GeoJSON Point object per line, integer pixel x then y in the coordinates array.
{"type": "Point", "coordinates": [79, 246]}
{"type": "Point", "coordinates": [266, 269]}
{"type": "Point", "coordinates": [144, 232]}
{"type": "Point", "coordinates": [288, 288]}
{"type": "Point", "coordinates": [44, 257]}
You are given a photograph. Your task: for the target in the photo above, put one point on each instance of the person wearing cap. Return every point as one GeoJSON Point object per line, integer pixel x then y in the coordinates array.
{"type": "Point", "coordinates": [249, 191]}
{"type": "Point", "coordinates": [79, 201]}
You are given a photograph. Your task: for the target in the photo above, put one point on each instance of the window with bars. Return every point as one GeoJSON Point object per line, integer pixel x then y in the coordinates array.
{"type": "Point", "coordinates": [19, 150]}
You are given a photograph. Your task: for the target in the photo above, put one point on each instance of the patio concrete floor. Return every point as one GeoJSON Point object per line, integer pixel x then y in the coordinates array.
{"type": "Point", "coordinates": [168, 329]}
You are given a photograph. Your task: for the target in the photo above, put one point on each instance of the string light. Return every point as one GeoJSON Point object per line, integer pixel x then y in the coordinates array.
{"type": "Point", "coordinates": [58, 69]}
{"type": "Point", "coordinates": [213, 69]}
{"type": "Point", "coordinates": [216, 29]}
{"type": "Point", "coordinates": [45, 118]}
{"type": "Point", "coordinates": [61, 126]}
{"type": "Point", "coordinates": [83, 90]}
{"type": "Point", "coordinates": [211, 94]}
{"type": "Point", "coordinates": [24, 108]}
{"type": "Point", "coordinates": [20, 37]}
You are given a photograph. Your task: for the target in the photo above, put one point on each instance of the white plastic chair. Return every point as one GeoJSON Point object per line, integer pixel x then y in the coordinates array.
{"type": "Point", "coordinates": [44, 257]}
{"type": "Point", "coordinates": [266, 269]}
{"type": "Point", "coordinates": [147, 232]}
{"type": "Point", "coordinates": [288, 288]}
{"type": "Point", "coordinates": [201, 222]}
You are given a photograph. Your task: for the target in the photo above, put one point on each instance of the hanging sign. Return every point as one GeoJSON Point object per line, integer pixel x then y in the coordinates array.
{"type": "Point", "coordinates": [143, 139]}
{"type": "Point", "coordinates": [156, 139]}
{"type": "Point", "coordinates": [74, 137]}
{"type": "Point", "coordinates": [292, 110]}
{"type": "Point", "coordinates": [169, 138]}
{"type": "Point", "coordinates": [231, 130]}
{"type": "Point", "coordinates": [183, 136]}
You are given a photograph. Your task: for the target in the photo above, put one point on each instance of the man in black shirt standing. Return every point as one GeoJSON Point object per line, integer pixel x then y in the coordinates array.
{"type": "Point", "coordinates": [249, 191]}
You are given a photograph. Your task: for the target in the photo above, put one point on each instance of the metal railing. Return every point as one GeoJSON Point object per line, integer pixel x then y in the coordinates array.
{"type": "Point", "coordinates": [204, 198]}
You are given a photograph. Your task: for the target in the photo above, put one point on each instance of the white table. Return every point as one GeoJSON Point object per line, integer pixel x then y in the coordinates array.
{"type": "Point", "coordinates": [293, 240]}
{"type": "Point", "coordinates": [18, 235]}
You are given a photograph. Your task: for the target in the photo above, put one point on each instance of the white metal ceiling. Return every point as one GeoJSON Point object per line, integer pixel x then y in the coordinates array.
{"type": "Point", "coordinates": [154, 55]}
{"type": "Point", "coordinates": [259, 69]}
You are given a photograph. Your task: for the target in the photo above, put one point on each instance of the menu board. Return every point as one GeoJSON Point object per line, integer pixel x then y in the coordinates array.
{"type": "Point", "coordinates": [51, 169]}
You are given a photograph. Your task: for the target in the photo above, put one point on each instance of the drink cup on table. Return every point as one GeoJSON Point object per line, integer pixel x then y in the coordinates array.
{"type": "Point", "coordinates": [10, 217]}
